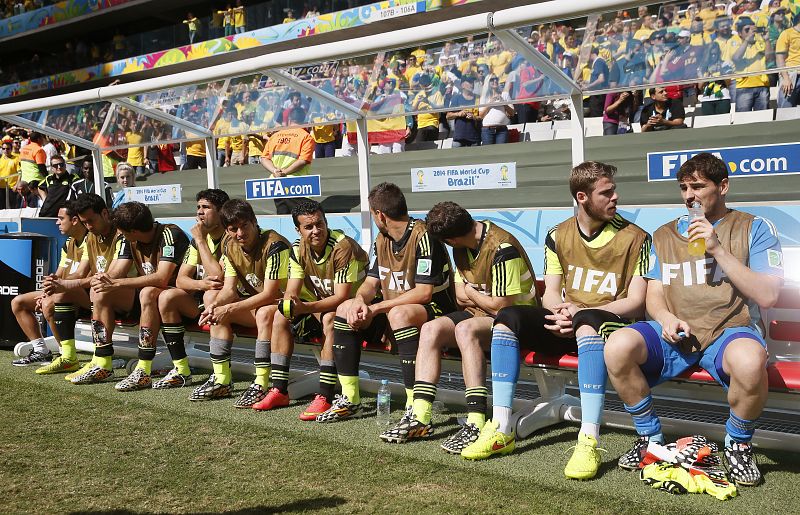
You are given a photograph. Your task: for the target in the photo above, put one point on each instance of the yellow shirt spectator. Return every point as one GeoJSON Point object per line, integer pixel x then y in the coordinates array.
{"type": "Point", "coordinates": [135, 154]}
{"type": "Point", "coordinates": [9, 165]}
{"type": "Point", "coordinates": [753, 60]}
{"type": "Point", "coordinates": [789, 44]}
{"type": "Point", "coordinates": [324, 133]}
{"type": "Point", "coordinates": [255, 144]}
{"type": "Point", "coordinates": [238, 16]}
{"type": "Point", "coordinates": [196, 148]}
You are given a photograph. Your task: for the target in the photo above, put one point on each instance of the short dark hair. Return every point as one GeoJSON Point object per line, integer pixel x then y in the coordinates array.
{"type": "Point", "coordinates": [133, 216]}
{"type": "Point", "coordinates": [215, 196]}
{"type": "Point", "coordinates": [585, 175]}
{"type": "Point", "coordinates": [237, 210]}
{"type": "Point", "coordinates": [89, 201]}
{"type": "Point", "coordinates": [706, 165]}
{"type": "Point", "coordinates": [448, 220]}
{"type": "Point", "coordinates": [387, 198]}
{"type": "Point", "coordinates": [306, 207]}
{"type": "Point", "coordinates": [298, 115]}
{"type": "Point", "coordinates": [70, 207]}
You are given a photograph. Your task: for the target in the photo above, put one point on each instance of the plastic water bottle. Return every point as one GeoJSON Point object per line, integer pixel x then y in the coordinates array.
{"type": "Point", "coordinates": [118, 363]}
{"type": "Point", "coordinates": [384, 403]}
{"type": "Point", "coordinates": [698, 246]}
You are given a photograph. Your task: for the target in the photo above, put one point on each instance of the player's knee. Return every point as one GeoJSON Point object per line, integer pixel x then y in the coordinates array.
{"type": "Point", "coordinates": [265, 315]}
{"type": "Point", "coordinates": [400, 316]}
{"type": "Point", "coordinates": [149, 295]}
{"type": "Point", "coordinates": [746, 363]}
{"type": "Point", "coordinates": [343, 308]}
{"type": "Point", "coordinates": [587, 322]}
{"type": "Point", "coordinates": [621, 348]}
{"type": "Point", "coordinates": [209, 296]}
{"type": "Point", "coordinates": [466, 333]}
{"type": "Point", "coordinates": [166, 298]}
{"type": "Point", "coordinates": [431, 334]}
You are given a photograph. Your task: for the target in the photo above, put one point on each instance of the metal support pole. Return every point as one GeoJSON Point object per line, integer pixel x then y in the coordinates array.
{"type": "Point", "coordinates": [99, 180]}
{"type": "Point", "coordinates": [211, 163]}
{"type": "Point", "coordinates": [363, 182]}
{"type": "Point", "coordinates": [576, 128]}
{"type": "Point", "coordinates": [576, 132]}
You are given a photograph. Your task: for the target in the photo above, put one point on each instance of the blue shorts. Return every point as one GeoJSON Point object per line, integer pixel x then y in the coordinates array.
{"type": "Point", "coordinates": [666, 361]}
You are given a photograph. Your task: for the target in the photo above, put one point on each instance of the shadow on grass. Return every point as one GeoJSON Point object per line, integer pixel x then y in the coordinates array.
{"type": "Point", "coordinates": [316, 503]}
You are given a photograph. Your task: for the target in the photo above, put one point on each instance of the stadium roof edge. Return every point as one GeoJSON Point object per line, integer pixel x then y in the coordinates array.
{"type": "Point", "coordinates": [457, 27]}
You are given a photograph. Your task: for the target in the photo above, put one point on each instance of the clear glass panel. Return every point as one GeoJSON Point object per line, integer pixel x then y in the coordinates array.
{"type": "Point", "coordinates": [680, 42]}
{"type": "Point", "coordinates": [474, 71]}
{"type": "Point", "coordinates": [39, 117]}
{"type": "Point", "coordinates": [83, 121]}
{"type": "Point", "coordinates": [263, 103]}
{"type": "Point", "coordinates": [198, 104]}
{"type": "Point", "coordinates": [126, 128]}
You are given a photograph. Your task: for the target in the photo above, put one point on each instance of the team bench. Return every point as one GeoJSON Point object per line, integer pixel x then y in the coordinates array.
{"type": "Point", "coordinates": [686, 404]}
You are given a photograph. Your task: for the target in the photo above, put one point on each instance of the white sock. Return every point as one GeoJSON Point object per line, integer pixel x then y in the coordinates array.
{"type": "Point", "coordinates": [502, 416]}
{"type": "Point", "coordinates": [40, 346]}
{"type": "Point", "coordinates": [591, 430]}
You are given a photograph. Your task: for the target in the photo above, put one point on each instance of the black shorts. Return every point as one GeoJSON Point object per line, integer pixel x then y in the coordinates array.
{"type": "Point", "coordinates": [305, 327]}
{"type": "Point", "coordinates": [459, 316]}
{"type": "Point", "coordinates": [434, 311]}
{"type": "Point", "coordinates": [527, 322]}
{"type": "Point", "coordinates": [135, 312]}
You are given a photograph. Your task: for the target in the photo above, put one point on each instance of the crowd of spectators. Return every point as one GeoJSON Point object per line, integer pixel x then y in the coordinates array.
{"type": "Point", "coordinates": [478, 86]}
{"type": "Point", "coordinates": [9, 8]}
{"type": "Point", "coordinates": [217, 20]}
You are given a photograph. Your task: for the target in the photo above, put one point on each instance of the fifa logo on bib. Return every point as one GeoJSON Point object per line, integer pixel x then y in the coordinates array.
{"type": "Point", "coordinates": [397, 280]}
{"type": "Point", "coordinates": [324, 285]}
{"type": "Point", "coordinates": [691, 273]}
{"type": "Point", "coordinates": [590, 280]}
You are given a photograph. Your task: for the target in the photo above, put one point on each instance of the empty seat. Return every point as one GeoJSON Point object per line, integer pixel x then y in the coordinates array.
{"type": "Point", "coordinates": [787, 113]}
{"type": "Point", "coordinates": [593, 126]}
{"type": "Point", "coordinates": [712, 120]}
{"type": "Point", "coordinates": [765, 115]}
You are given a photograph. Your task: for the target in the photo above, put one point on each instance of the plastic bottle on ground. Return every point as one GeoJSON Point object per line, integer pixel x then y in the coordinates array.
{"type": "Point", "coordinates": [384, 403]}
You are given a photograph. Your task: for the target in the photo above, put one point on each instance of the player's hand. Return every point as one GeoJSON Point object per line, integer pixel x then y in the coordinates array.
{"type": "Point", "coordinates": [701, 228]}
{"type": "Point", "coordinates": [103, 283]}
{"type": "Point", "coordinates": [212, 282]}
{"type": "Point", "coordinates": [561, 325]}
{"type": "Point", "coordinates": [52, 285]}
{"type": "Point", "coordinates": [358, 314]}
{"type": "Point", "coordinates": [38, 307]}
{"type": "Point", "coordinates": [298, 306]}
{"type": "Point", "coordinates": [220, 313]}
{"type": "Point", "coordinates": [205, 316]}
{"type": "Point", "coordinates": [566, 308]}
{"type": "Point", "coordinates": [199, 231]}
{"type": "Point", "coordinates": [675, 330]}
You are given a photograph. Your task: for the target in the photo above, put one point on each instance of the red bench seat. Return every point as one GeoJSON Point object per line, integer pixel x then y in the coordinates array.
{"type": "Point", "coordinates": [783, 375]}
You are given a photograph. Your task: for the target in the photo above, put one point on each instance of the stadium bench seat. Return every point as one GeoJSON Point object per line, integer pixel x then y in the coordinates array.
{"type": "Point", "coordinates": [783, 375]}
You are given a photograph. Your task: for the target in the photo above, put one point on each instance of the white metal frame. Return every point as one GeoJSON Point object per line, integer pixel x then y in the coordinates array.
{"type": "Point", "coordinates": [69, 138]}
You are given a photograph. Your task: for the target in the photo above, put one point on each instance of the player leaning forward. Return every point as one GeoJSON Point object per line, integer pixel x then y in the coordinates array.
{"type": "Point", "coordinates": [704, 309]}
{"type": "Point", "coordinates": [326, 267]}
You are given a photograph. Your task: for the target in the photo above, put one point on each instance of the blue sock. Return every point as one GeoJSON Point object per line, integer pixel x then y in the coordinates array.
{"type": "Point", "coordinates": [592, 376]}
{"type": "Point", "coordinates": [739, 429]}
{"type": "Point", "coordinates": [505, 374]}
{"type": "Point", "coordinates": [645, 419]}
